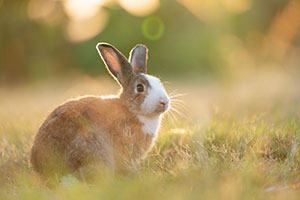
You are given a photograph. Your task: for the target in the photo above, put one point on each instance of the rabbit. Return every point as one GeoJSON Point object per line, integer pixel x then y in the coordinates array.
{"type": "Point", "coordinates": [116, 132]}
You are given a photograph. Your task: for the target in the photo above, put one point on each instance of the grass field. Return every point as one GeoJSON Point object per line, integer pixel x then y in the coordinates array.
{"type": "Point", "coordinates": [239, 140]}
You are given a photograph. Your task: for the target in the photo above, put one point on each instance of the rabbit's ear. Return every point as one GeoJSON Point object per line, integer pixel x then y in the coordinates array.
{"type": "Point", "coordinates": [138, 58]}
{"type": "Point", "coordinates": [116, 62]}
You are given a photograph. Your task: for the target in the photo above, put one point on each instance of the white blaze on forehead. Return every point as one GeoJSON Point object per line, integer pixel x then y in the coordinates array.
{"type": "Point", "coordinates": [156, 93]}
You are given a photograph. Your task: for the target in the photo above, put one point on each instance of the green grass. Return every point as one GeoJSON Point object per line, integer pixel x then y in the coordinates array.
{"type": "Point", "coordinates": [227, 156]}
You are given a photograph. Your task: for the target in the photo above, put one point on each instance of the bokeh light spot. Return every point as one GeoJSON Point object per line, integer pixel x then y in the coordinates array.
{"type": "Point", "coordinates": [139, 7]}
{"type": "Point", "coordinates": [153, 28]}
{"type": "Point", "coordinates": [40, 9]}
{"type": "Point", "coordinates": [78, 30]}
{"type": "Point", "coordinates": [82, 9]}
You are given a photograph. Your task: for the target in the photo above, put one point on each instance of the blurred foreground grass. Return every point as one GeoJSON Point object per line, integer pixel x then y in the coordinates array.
{"type": "Point", "coordinates": [238, 141]}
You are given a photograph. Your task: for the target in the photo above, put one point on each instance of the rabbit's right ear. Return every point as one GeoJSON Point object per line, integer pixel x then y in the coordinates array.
{"type": "Point", "coordinates": [138, 58]}
{"type": "Point", "coordinates": [115, 62]}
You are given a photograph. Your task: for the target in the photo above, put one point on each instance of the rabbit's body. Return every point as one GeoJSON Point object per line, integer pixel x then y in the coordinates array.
{"type": "Point", "coordinates": [115, 132]}
{"type": "Point", "coordinates": [82, 131]}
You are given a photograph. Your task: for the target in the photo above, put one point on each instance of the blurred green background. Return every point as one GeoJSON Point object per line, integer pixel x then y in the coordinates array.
{"type": "Point", "coordinates": [219, 39]}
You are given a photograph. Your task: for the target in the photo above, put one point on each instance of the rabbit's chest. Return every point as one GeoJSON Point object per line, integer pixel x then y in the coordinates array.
{"type": "Point", "coordinates": [144, 136]}
{"type": "Point", "coordinates": [149, 125]}
{"type": "Point", "coordinates": [135, 141]}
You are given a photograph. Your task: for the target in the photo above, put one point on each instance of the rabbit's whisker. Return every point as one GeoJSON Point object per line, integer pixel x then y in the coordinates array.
{"type": "Point", "coordinates": [176, 100]}
{"type": "Point", "coordinates": [173, 116]}
{"type": "Point", "coordinates": [176, 111]}
{"type": "Point", "coordinates": [178, 95]}
{"type": "Point", "coordinates": [179, 105]}
{"type": "Point", "coordinates": [170, 117]}
{"type": "Point", "coordinates": [173, 92]}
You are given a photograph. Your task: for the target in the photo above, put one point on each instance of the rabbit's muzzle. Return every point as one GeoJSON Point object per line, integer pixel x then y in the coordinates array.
{"type": "Point", "coordinates": [162, 106]}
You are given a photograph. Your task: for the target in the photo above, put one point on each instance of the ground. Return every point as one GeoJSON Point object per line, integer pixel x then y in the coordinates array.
{"type": "Point", "coordinates": [236, 140]}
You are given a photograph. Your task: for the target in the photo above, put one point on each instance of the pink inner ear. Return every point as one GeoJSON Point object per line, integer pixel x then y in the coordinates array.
{"type": "Point", "coordinates": [112, 60]}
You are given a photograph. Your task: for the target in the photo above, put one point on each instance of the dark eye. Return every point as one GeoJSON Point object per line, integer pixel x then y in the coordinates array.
{"type": "Point", "coordinates": [140, 88]}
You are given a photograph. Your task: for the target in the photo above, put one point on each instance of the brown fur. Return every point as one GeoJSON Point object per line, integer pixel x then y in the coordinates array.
{"type": "Point", "coordinates": [89, 130]}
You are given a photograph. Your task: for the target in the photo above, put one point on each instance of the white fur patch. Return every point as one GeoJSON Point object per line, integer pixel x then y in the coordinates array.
{"type": "Point", "coordinates": [150, 124]}
{"type": "Point", "coordinates": [156, 93]}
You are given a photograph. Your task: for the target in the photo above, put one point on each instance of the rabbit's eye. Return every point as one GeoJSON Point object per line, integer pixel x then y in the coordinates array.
{"type": "Point", "coordinates": [140, 88]}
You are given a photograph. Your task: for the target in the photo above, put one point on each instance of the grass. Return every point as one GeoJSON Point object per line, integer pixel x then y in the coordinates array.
{"type": "Point", "coordinates": [239, 151]}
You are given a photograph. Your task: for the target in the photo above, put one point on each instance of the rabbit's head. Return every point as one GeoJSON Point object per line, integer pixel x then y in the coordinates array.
{"type": "Point", "coordinates": [143, 94]}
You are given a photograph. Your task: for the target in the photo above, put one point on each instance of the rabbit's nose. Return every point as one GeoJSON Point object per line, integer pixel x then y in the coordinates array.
{"type": "Point", "coordinates": [164, 102]}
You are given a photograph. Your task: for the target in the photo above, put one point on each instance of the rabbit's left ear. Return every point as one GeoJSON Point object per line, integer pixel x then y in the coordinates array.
{"type": "Point", "coordinates": [116, 63]}
{"type": "Point", "coordinates": [138, 58]}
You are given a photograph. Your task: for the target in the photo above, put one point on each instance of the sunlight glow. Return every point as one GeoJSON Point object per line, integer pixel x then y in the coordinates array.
{"type": "Point", "coordinates": [83, 29]}
{"type": "Point", "coordinates": [139, 7]}
{"type": "Point", "coordinates": [86, 19]}
{"type": "Point", "coordinates": [82, 9]}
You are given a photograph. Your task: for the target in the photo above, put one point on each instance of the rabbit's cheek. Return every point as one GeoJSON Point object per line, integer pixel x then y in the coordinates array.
{"type": "Point", "coordinates": [138, 101]}
{"type": "Point", "coordinates": [156, 93]}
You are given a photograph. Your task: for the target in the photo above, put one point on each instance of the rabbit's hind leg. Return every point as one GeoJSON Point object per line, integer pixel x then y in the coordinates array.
{"type": "Point", "coordinates": [91, 156]}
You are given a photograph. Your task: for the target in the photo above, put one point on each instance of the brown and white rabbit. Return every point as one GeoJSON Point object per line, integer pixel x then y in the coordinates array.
{"type": "Point", "coordinates": [115, 132]}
